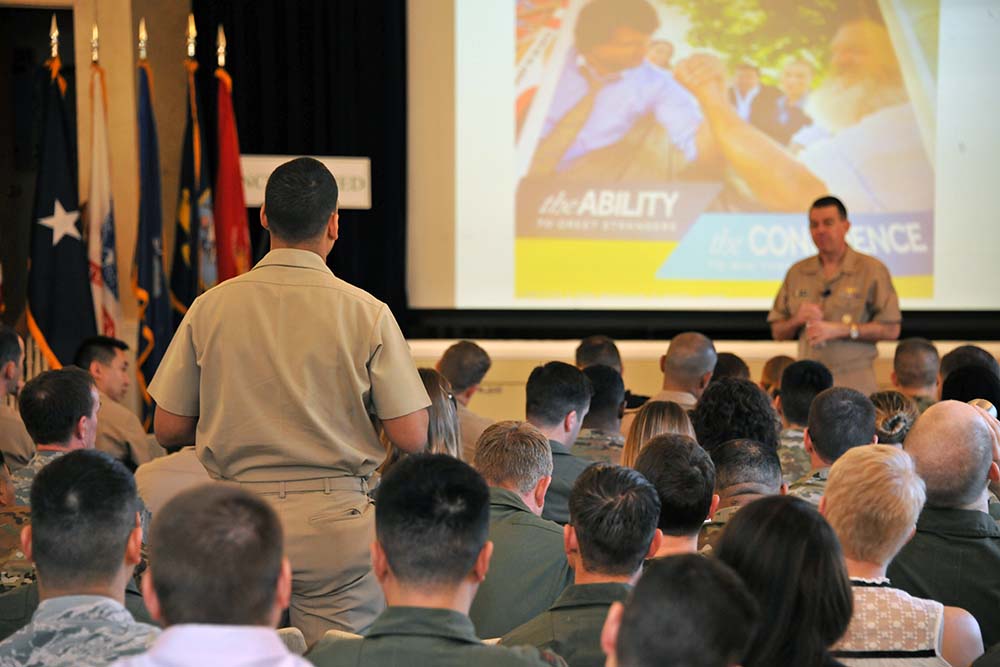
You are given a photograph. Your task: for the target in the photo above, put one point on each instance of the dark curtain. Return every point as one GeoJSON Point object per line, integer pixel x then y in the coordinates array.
{"type": "Point", "coordinates": [322, 77]}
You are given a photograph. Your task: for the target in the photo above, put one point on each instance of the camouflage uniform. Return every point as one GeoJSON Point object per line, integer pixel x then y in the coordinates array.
{"type": "Point", "coordinates": [595, 445]}
{"type": "Point", "coordinates": [15, 569]}
{"type": "Point", "coordinates": [76, 631]}
{"type": "Point", "coordinates": [811, 487]}
{"type": "Point", "coordinates": [795, 460]}
{"type": "Point", "coordinates": [711, 530]}
{"type": "Point", "coordinates": [26, 475]}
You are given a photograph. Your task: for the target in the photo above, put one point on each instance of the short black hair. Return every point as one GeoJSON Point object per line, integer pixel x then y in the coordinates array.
{"type": "Point", "coordinates": [98, 348]}
{"type": "Point", "coordinates": [840, 418]}
{"type": "Point", "coordinates": [916, 363]}
{"type": "Point", "coordinates": [432, 518]}
{"type": "Point", "coordinates": [299, 198]}
{"type": "Point", "coordinates": [554, 390]}
{"type": "Point", "coordinates": [734, 408]}
{"type": "Point", "coordinates": [970, 382]}
{"type": "Point", "coordinates": [968, 355]}
{"type": "Point", "coordinates": [830, 200]}
{"type": "Point", "coordinates": [729, 365]}
{"type": "Point", "coordinates": [687, 610]}
{"type": "Point", "coordinates": [83, 509]}
{"type": "Point", "coordinates": [10, 348]}
{"type": "Point", "coordinates": [800, 384]}
{"type": "Point", "coordinates": [684, 477]}
{"type": "Point", "coordinates": [52, 402]}
{"type": "Point", "coordinates": [464, 364]}
{"type": "Point", "coordinates": [216, 553]}
{"type": "Point", "coordinates": [614, 511]}
{"type": "Point", "coordinates": [599, 19]}
{"type": "Point", "coordinates": [594, 350]}
{"type": "Point", "coordinates": [744, 461]}
{"type": "Point", "coordinates": [609, 391]}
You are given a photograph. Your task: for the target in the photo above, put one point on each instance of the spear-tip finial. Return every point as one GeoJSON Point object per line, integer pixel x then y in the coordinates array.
{"type": "Point", "coordinates": [220, 46]}
{"type": "Point", "coordinates": [95, 44]}
{"type": "Point", "coordinates": [54, 38]}
{"type": "Point", "coordinates": [143, 38]}
{"type": "Point", "coordinates": [192, 33]}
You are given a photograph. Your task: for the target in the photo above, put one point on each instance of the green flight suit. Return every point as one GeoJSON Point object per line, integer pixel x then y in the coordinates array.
{"type": "Point", "coordinates": [565, 469]}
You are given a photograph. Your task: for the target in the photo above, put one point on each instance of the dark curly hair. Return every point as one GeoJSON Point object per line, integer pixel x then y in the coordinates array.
{"type": "Point", "coordinates": [733, 408]}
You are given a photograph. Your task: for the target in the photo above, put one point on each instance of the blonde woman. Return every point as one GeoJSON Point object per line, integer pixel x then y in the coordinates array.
{"type": "Point", "coordinates": [654, 418]}
{"type": "Point", "coordinates": [443, 434]}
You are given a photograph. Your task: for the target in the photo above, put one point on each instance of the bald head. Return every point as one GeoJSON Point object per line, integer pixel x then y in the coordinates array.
{"type": "Point", "coordinates": [952, 446]}
{"type": "Point", "coordinates": [689, 362]}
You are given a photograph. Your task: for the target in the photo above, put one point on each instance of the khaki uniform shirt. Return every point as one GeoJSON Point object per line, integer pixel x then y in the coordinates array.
{"type": "Point", "coordinates": [284, 367]}
{"type": "Point", "coordinates": [565, 469]}
{"type": "Point", "coordinates": [811, 487]}
{"type": "Point", "coordinates": [795, 460]}
{"type": "Point", "coordinates": [571, 628]}
{"type": "Point", "coordinates": [15, 569]}
{"type": "Point", "coordinates": [120, 434]}
{"type": "Point", "coordinates": [15, 443]}
{"type": "Point", "coordinates": [471, 426]}
{"type": "Point", "coordinates": [160, 480]}
{"type": "Point", "coordinates": [423, 637]}
{"type": "Point", "coordinates": [712, 530]}
{"type": "Point", "coordinates": [861, 292]}
{"type": "Point", "coordinates": [528, 570]}
{"type": "Point", "coordinates": [600, 446]}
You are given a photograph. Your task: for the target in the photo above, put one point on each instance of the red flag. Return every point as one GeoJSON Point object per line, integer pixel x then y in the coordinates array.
{"type": "Point", "coordinates": [232, 234]}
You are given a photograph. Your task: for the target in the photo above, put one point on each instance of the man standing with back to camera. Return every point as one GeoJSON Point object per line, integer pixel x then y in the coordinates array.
{"type": "Point", "coordinates": [275, 376]}
{"type": "Point", "coordinates": [838, 303]}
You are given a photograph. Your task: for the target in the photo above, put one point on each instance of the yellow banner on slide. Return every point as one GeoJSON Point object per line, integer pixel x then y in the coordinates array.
{"type": "Point", "coordinates": [548, 268]}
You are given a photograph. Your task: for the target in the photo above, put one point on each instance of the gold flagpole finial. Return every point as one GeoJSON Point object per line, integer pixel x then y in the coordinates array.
{"type": "Point", "coordinates": [192, 33]}
{"type": "Point", "coordinates": [95, 42]}
{"type": "Point", "coordinates": [143, 38]}
{"type": "Point", "coordinates": [220, 47]}
{"type": "Point", "coordinates": [54, 38]}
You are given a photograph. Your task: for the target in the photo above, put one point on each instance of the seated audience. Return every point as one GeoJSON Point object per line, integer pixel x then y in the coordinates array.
{"type": "Point", "coordinates": [684, 477]}
{"type": "Point", "coordinates": [770, 377]}
{"type": "Point", "coordinates": [602, 351]}
{"type": "Point", "coordinates": [968, 355]}
{"type": "Point", "coordinates": [954, 557]}
{"type": "Point", "coordinates": [745, 470]}
{"type": "Point", "coordinates": [800, 384]}
{"type": "Point", "coordinates": [789, 558]}
{"type": "Point", "coordinates": [652, 419]}
{"type": "Point", "coordinates": [464, 365]}
{"type": "Point", "coordinates": [558, 398]}
{"type": "Point", "coordinates": [529, 569]}
{"type": "Point", "coordinates": [119, 431]}
{"type": "Point", "coordinates": [163, 478]}
{"type": "Point", "coordinates": [729, 365]}
{"type": "Point", "coordinates": [686, 610]}
{"type": "Point", "coordinates": [872, 501]}
{"type": "Point", "coordinates": [443, 434]}
{"type": "Point", "coordinates": [916, 371]}
{"type": "Point", "coordinates": [430, 554]}
{"type": "Point", "coordinates": [601, 437]}
{"type": "Point", "coordinates": [85, 541]}
{"type": "Point", "coordinates": [971, 382]}
{"type": "Point", "coordinates": [733, 408]}
{"type": "Point", "coordinates": [59, 409]}
{"type": "Point", "coordinates": [895, 413]}
{"type": "Point", "coordinates": [218, 582]}
{"type": "Point", "coordinates": [839, 418]}
{"type": "Point", "coordinates": [687, 369]}
{"type": "Point", "coordinates": [612, 529]}
{"type": "Point", "coordinates": [15, 569]}
{"type": "Point", "coordinates": [15, 442]}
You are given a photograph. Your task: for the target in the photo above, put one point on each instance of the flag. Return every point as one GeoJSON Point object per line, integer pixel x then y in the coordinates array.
{"type": "Point", "coordinates": [194, 264]}
{"type": "Point", "coordinates": [101, 216]}
{"type": "Point", "coordinates": [231, 231]}
{"type": "Point", "coordinates": [148, 280]}
{"type": "Point", "coordinates": [60, 308]}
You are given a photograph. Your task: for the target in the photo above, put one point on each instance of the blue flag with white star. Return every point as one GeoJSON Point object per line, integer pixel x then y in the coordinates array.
{"type": "Point", "coordinates": [60, 307]}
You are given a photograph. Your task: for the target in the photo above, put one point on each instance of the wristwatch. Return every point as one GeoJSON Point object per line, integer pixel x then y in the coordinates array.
{"type": "Point", "coordinates": [855, 332]}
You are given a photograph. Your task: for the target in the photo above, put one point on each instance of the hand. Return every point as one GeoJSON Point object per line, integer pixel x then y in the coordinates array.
{"type": "Point", "coordinates": [703, 74]}
{"type": "Point", "coordinates": [994, 427]}
{"type": "Point", "coordinates": [819, 331]}
{"type": "Point", "coordinates": [808, 312]}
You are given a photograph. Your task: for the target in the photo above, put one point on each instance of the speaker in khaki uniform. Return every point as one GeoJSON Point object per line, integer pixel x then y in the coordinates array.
{"type": "Point", "coordinates": [15, 443]}
{"type": "Point", "coordinates": [278, 377]}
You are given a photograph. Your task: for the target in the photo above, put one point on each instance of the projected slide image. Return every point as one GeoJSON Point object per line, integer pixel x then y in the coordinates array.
{"type": "Point", "coordinates": [672, 147]}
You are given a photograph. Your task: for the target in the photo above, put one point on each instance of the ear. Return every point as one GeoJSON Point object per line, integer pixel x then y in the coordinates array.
{"type": "Point", "coordinates": [783, 491]}
{"type": "Point", "coordinates": [893, 379]}
{"type": "Point", "coordinates": [95, 369]}
{"type": "Point", "coordinates": [621, 410]}
{"type": "Point", "coordinates": [482, 565]}
{"type": "Point", "coordinates": [283, 592]}
{"type": "Point", "coordinates": [822, 506]}
{"type": "Point", "coordinates": [875, 439]}
{"type": "Point", "coordinates": [541, 488]}
{"type": "Point", "coordinates": [133, 547]}
{"type": "Point", "coordinates": [994, 473]}
{"type": "Point", "coordinates": [655, 544]}
{"type": "Point", "coordinates": [777, 405]}
{"type": "Point", "coordinates": [705, 379]}
{"type": "Point", "coordinates": [569, 422]}
{"type": "Point", "coordinates": [380, 564]}
{"type": "Point", "coordinates": [26, 542]}
{"type": "Point", "coordinates": [663, 363]}
{"type": "Point", "coordinates": [149, 597]}
{"type": "Point", "coordinates": [80, 429]}
{"type": "Point", "coordinates": [713, 508]}
{"type": "Point", "coordinates": [570, 544]}
{"type": "Point", "coordinates": [609, 633]}
{"type": "Point", "coordinates": [263, 216]}
{"type": "Point", "coordinates": [333, 226]}
{"type": "Point", "coordinates": [7, 371]}
{"type": "Point", "coordinates": [807, 441]}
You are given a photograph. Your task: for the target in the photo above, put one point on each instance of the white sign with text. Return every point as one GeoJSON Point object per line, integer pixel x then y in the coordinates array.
{"type": "Point", "coordinates": [353, 176]}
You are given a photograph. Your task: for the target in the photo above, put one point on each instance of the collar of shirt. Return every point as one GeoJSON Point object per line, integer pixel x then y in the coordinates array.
{"type": "Point", "coordinates": [294, 257]}
{"type": "Point", "coordinates": [81, 605]}
{"type": "Point", "coordinates": [559, 449]}
{"type": "Point", "coordinates": [793, 434]}
{"type": "Point", "coordinates": [848, 266]}
{"type": "Point", "coordinates": [202, 644]}
{"type": "Point", "coordinates": [507, 498]}
{"type": "Point", "coordinates": [743, 103]}
{"type": "Point", "coordinates": [588, 595]}
{"type": "Point", "coordinates": [725, 514]}
{"type": "Point", "coordinates": [592, 76]}
{"type": "Point", "coordinates": [957, 523]}
{"type": "Point", "coordinates": [424, 621]}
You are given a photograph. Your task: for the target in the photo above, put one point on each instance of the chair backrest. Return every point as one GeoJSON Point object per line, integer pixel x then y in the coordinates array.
{"type": "Point", "coordinates": [294, 640]}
